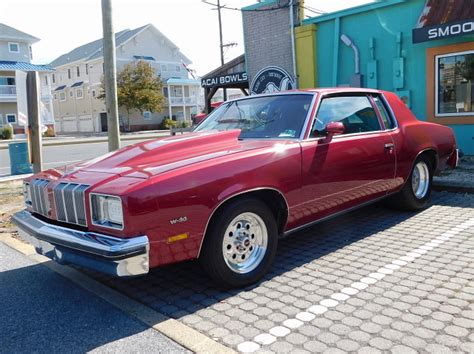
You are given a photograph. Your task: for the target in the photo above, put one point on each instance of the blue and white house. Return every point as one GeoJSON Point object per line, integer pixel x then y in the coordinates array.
{"type": "Point", "coordinates": [15, 60]}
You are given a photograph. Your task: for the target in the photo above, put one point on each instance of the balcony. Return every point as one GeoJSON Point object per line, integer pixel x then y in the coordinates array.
{"type": "Point", "coordinates": [7, 93]}
{"type": "Point", "coordinates": [183, 101]}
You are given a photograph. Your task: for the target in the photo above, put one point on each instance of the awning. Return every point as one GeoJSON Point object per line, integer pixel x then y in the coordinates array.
{"type": "Point", "coordinates": [79, 83]}
{"type": "Point", "coordinates": [23, 66]}
{"type": "Point", "coordinates": [176, 81]}
{"type": "Point", "coordinates": [443, 19]}
{"type": "Point", "coordinates": [59, 88]}
{"type": "Point", "coordinates": [231, 75]}
{"type": "Point", "coordinates": [143, 57]}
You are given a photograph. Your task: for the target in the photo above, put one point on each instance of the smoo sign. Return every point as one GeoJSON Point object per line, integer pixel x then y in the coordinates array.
{"type": "Point", "coordinates": [443, 31]}
{"type": "Point", "coordinates": [223, 80]}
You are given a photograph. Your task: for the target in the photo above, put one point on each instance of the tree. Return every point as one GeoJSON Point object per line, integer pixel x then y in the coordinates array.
{"type": "Point", "coordinates": [138, 88]}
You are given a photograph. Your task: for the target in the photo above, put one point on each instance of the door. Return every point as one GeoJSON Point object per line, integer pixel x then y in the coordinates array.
{"type": "Point", "coordinates": [345, 170]}
{"type": "Point", "coordinates": [103, 121]}
{"type": "Point", "coordinates": [86, 124]}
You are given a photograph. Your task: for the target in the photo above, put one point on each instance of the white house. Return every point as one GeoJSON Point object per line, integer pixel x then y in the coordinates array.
{"type": "Point", "coordinates": [78, 74]}
{"type": "Point", "coordinates": [15, 61]}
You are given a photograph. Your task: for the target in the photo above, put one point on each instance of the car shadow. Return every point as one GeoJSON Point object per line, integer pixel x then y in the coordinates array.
{"type": "Point", "coordinates": [182, 289]}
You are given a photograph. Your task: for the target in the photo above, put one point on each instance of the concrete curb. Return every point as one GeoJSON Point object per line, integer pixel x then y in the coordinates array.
{"type": "Point", "coordinates": [4, 146]}
{"type": "Point", "coordinates": [173, 329]}
{"type": "Point", "coordinates": [14, 178]}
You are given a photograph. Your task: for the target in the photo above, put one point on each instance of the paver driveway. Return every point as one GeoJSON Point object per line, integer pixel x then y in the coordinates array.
{"type": "Point", "coordinates": [372, 280]}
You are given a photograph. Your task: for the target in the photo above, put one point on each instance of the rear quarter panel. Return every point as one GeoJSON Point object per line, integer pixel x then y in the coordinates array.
{"type": "Point", "coordinates": [413, 137]}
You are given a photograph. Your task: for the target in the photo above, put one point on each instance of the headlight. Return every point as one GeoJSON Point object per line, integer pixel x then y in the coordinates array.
{"type": "Point", "coordinates": [106, 211]}
{"type": "Point", "coordinates": [27, 193]}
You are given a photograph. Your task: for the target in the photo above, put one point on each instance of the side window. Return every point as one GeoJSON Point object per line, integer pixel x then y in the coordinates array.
{"type": "Point", "coordinates": [355, 112]}
{"type": "Point", "coordinates": [387, 120]}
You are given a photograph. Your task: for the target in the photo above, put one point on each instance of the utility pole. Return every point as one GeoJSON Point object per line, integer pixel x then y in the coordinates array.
{"type": "Point", "coordinates": [110, 77]}
{"type": "Point", "coordinates": [221, 41]}
{"type": "Point", "coordinates": [34, 136]}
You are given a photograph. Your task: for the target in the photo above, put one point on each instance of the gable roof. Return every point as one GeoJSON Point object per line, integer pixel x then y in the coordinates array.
{"type": "Point", "coordinates": [10, 33]}
{"type": "Point", "coordinates": [93, 50]}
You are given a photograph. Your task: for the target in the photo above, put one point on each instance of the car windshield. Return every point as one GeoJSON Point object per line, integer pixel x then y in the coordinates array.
{"type": "Point", "coordinates": [279, 116]}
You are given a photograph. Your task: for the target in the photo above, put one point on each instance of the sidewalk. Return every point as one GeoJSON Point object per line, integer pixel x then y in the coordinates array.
{"type": "Point", "coordinates": [63, 317]}
{"type": "Point", "coordinates": [458, 180]}
{"type": "Point", "coordinates": [96, 138]}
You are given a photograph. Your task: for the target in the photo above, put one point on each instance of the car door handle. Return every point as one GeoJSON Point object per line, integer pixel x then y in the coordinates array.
{"type": "Point", "coordinates": [389, 146]}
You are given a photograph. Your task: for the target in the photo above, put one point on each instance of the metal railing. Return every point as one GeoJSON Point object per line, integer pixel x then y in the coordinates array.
{"type": "Point", "coordinates": [183, 100]}
{"type": "Point", "coordinates": [7, 90]}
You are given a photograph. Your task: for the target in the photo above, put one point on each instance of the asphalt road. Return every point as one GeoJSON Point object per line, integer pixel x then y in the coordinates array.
{"type": "Point", "coordinates": [55, 156]}
{"type": "Point", "coordinates": [41, 311]}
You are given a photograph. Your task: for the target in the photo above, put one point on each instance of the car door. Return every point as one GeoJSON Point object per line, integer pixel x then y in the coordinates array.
{"type": "Point", "coordinates": [345, 170]}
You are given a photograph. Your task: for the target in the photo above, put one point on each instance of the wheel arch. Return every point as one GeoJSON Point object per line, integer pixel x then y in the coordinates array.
{"type": "Point", "coordinates": [267, 195]}
{"type": "Point", "coordinates": [432, 154]}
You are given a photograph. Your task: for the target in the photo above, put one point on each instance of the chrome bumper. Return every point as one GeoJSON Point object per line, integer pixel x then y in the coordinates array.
{"type": "Point", "coordinates": [112, 255]}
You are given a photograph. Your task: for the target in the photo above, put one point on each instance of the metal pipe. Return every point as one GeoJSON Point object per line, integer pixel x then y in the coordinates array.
{"type": "Point", "coordinates": [292, 32]}
{"type": "Point", "coordinates": [348, 42]}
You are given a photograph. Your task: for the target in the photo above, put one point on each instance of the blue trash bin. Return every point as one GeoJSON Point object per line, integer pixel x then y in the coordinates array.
{"type": "Point", "coordinates": [19, 160]}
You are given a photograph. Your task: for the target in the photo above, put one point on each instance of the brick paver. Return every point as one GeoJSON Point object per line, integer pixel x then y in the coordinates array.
{"type": "Point", "coordinates": [324, 292]}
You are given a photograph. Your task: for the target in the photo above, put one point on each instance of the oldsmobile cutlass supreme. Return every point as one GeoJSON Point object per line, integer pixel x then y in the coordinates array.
{"type": "Point", "coordinates": [256, 169]}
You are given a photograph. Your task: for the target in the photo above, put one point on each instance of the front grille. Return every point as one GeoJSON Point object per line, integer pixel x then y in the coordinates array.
{"type": "Point", "coordinates": [39, 196]}
{"type": "Point", "coordinates": [70, 203]}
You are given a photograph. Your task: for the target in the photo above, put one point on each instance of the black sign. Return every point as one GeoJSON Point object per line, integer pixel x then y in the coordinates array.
{"type": "Point", "coordinates": [271, 79]}
{"type": "Point", "coordinates": [225, 80]}
{"type": "Point", "coordinates": [446, 30]}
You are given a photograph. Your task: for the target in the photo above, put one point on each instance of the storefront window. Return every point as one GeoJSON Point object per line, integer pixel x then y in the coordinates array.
{"type": "Point", "coordinates": [455, 84]}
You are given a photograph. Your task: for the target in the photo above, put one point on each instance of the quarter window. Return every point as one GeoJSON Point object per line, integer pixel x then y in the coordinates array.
{"type": "Point", "coordinates": [387, 120]}
{"type": "Point", "coordinates": [355, 112]}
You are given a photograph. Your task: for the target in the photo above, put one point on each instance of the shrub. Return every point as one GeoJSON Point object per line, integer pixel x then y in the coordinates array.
{"type": "Point", "coordinates": [168, 124]}
{"type": "Point", "coordinates": [6, 133]}
{"type": "Point", "coordinates": [49, 133]}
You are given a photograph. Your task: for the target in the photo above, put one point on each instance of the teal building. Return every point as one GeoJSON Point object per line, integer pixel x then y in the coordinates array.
{"type": "Point", "coordinates": [422, 50]}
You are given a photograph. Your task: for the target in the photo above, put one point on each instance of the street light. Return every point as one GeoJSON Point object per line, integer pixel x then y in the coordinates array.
{"type": "Point", "coordinates": [348, 42]}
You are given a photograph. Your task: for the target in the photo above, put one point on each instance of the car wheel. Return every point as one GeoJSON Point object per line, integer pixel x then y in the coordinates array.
{"type": "Point", "coordinates": [240, 244]}
{"type": "Point", "coordinates": [416, 192]}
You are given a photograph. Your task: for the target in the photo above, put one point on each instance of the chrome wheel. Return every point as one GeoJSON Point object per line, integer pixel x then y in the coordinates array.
{"type": "Point", "coordinates": [420, 180]}
{"type": "Point", "coordinates": [245, 242]}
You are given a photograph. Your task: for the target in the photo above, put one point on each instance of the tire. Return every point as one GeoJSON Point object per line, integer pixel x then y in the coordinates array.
{"type": "Point", "coordinates": [240, 244]}
{"type": "Point", "coordinates": [416, 196]}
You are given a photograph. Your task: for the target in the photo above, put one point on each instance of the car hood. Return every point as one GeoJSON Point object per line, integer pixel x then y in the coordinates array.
{"type": "Point", "coordinates": [153, 157]}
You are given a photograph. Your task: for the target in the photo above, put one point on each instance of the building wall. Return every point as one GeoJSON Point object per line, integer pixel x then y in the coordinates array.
{"type": "Point", "coordinates": [267, 39]}
{"type": "Point", "coordinates": [23, 55]}
{"type": "Point", "coordinates": [335, 61]}
{"type": "Point", "coordinates": [8, 108]}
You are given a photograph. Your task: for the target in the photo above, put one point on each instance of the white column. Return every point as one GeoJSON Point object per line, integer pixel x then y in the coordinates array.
{"type": "Point", "coordinates": [169, 102]}
{"type": "Point", "coordinates": [184, 103]}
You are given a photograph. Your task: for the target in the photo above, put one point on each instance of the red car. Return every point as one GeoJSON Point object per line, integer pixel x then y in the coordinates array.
{"type": "Point", "coordinates": [258, 168]}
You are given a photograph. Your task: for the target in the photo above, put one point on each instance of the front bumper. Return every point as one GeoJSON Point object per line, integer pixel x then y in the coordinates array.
{"type": "Point", "coordinates": [107, 254]}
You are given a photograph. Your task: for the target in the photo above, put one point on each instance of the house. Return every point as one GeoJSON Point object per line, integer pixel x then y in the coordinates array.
{"type": "Point", "coordinates": [78, 74]}
{"type": "Point", "coordinates": [15, 61]}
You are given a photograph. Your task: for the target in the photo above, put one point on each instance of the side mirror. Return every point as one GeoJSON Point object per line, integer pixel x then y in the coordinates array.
{"type": "Point", "coordinates": [334, 128]}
